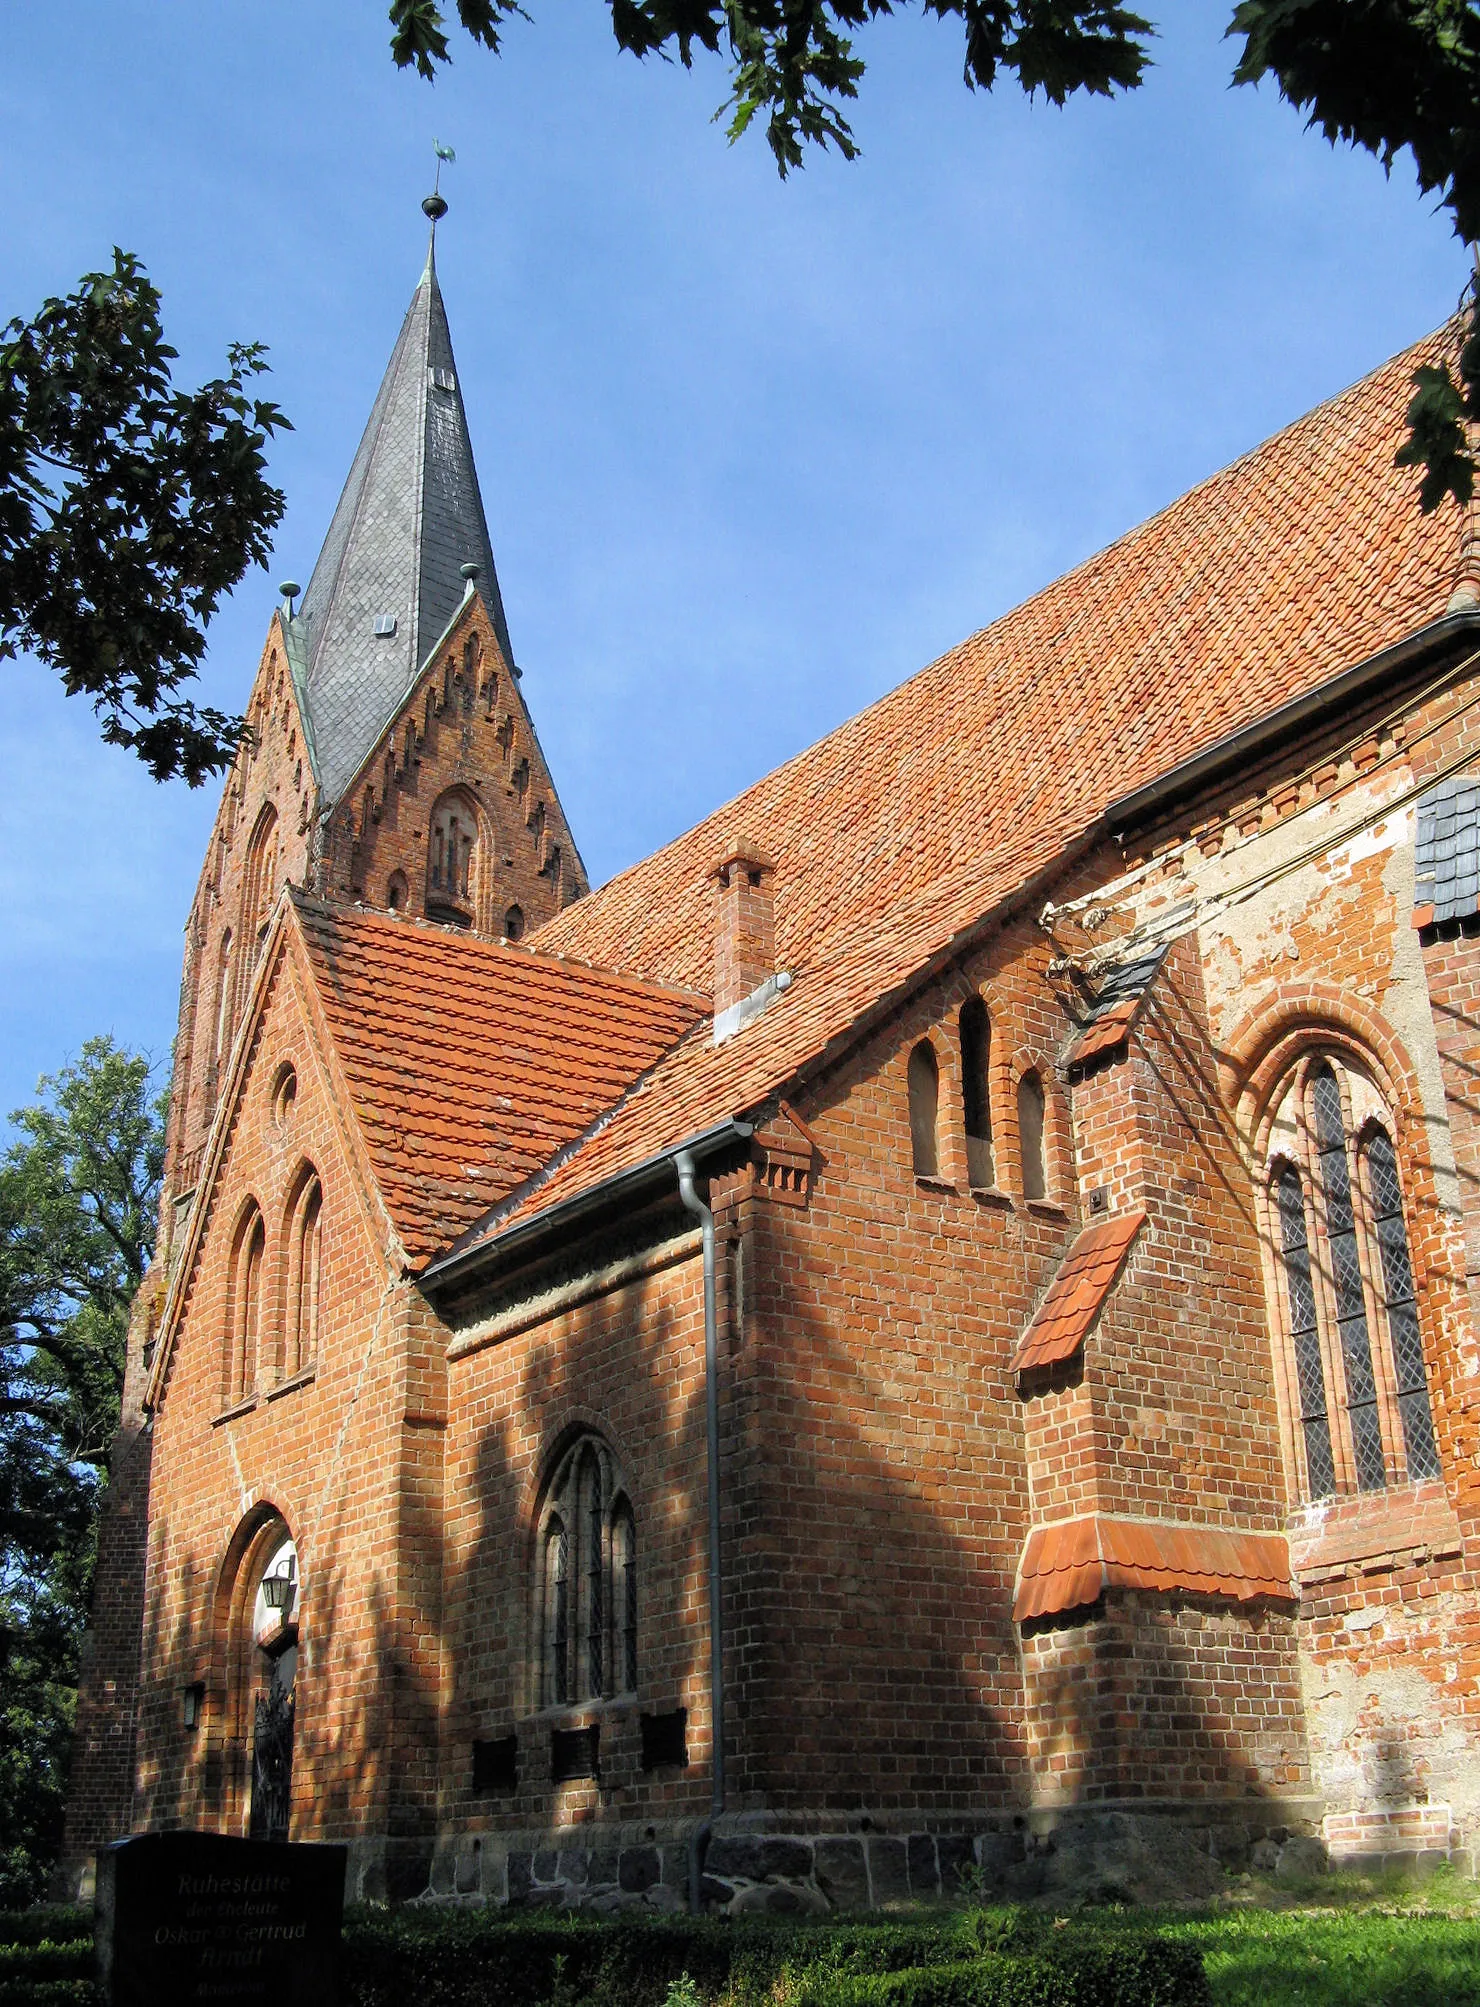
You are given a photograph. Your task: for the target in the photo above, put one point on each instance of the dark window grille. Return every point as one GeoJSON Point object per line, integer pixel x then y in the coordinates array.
{"type": "Point", "coordinates": [1315, 1421]}
{"type": "Point", "coordinates": [1401, 1306]}
{"type": "Point", "coordinates": [665, 1740]}
{"type": "Point", "coordinates": [629, 1604]}
{"type": "Point", "coordinates": [1346, 1275]}
{"type": "Point", "coordinates": [495, 1766]}
{"type": "Point", "coordinates": [574, 1752]}
{"type": "Point", "coordinates": [595, 1569]}
{"type": "Point", "coordinates": [559, 1615]}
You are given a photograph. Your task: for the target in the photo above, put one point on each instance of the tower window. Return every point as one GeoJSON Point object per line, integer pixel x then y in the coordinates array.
{"type": "Point", "coordinates": [451, 849]}
{"type": "Point", "coordinates": [514, 923]}
{"type": "Point", "coordinates": [244, 1307]}
{"type": "Point", "coordinates": [305, 1249]}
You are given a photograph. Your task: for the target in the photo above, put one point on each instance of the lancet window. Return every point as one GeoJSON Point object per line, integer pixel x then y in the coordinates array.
{"type": "Point", "coordinates": [1032, 1146]}
{"type": "Point", "coordinates": [1347, 1309]}
{"type": "Point", "coordinates": [586, 1580]}
{"type": "Point", "coordinates": [924, 1092]}
{"type": "Point", "coordinates": [244, 1306]}
{"type": "Point", "coordinates": [451, 852]}
{"type": "Point", "coordinates": [976, 1099]}
{"type": "Point", "coordinates": [305, 1254]}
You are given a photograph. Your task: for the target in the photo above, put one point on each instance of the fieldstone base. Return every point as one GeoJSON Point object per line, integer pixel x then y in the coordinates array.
{"type": "Point", "coordinates": [1136, 1852]}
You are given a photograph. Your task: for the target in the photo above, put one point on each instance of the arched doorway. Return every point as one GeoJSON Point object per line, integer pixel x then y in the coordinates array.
{"type": "Point", "coordinates": [274, 1661]}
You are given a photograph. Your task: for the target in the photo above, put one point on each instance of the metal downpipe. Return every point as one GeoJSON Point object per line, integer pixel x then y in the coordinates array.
{"type": "Point", "coordinates": [683, 1163]}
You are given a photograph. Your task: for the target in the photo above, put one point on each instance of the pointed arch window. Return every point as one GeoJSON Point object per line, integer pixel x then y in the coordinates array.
{"type": "Point", "coordinates": [452, 844]}
{"type": "Point", "coordinates": [223, 999]}
{"type": "Point", "coordinates": [305, 1261]}
{"type": "Point", "coordinates": [244, 1307]}
{"type": "Point", "coordinates": [924, 1091]}
{"type": "Point", "coordinates": [976, 1098]}
{"type": "Point", "coordinates": [1349, 1314]}
{"type": "Point", "coordinates": [1031, 1124]}
{"type": "Point", "coordinates": [586, 1591]}
{"type": "Point", "coordinates": [260, 882]}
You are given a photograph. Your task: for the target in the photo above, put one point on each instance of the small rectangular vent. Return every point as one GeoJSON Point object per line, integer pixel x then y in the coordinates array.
{"type": "Point", "coordinates": [574, 1752]}
{"type": "Point", "coordinates": [495, 1766]}
{"type": "Point", "coordinates": [443, 379]}
{"type": "Point", "coordinates": [665, 1740]}
{"type": "Point", "coordinates": [385, 626]}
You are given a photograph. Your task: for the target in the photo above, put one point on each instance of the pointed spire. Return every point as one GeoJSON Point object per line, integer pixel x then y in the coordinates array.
{"type": "Point", "coordinates": [389, 577]}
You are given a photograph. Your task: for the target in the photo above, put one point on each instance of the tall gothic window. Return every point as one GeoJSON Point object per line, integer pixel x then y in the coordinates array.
{"type": "Point", "coordinates": [924, 1086]}
{"type": "Point", "coordinates": [452, 843]}
{"type": "Point", "coordinates": [1349, 1312]}
{"type": "Point", "coordinates": [586, 1587]}
{"type": "Point", "coordinates": [305, 1239]}
{"type": "Point", "coordinates": [976, 1099]}
{"type": "Point", "coordinates": [223, 999]}
{"type": "Point", "coordinates": [244, 1306]}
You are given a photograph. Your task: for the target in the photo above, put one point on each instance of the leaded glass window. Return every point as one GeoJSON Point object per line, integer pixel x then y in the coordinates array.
{"type": "Point", "coordinates": [1401, 1305]}
{"type": "Point", "coordinates": [586, 1594]}
{"type": "Point", "coordinates": [1346, 1278]}
{"type": "Point", "coordinates": [1350, 1308]}
{"type": "Point", "coordinates": [1305, 1337]}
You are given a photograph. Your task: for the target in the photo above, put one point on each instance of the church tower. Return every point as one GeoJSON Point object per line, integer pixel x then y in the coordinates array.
{"type": "Point", "coordinates": [390, 759]}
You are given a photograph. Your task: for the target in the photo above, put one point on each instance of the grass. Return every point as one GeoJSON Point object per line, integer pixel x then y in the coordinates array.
{"type": "Point", "coordinates": [1342, 1941]}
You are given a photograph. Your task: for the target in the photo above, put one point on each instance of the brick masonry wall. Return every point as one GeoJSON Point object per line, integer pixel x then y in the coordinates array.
{"type": "Point", "coordinates": [326, 1451]}
{"type": "Point", "coordinates": [629, 1365]}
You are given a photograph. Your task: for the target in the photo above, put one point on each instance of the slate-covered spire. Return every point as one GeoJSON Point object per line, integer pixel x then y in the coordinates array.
{"type": "Point", "coordinates": [409, 518]}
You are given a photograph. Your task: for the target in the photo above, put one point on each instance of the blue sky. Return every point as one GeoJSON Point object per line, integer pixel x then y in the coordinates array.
{"type": "Point", "coordinates": [752, 452]}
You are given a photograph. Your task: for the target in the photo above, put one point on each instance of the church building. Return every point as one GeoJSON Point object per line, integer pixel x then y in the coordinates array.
{"type": "Point", "coordinates": [921, 1338]}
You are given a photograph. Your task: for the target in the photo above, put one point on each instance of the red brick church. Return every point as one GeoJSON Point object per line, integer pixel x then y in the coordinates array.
{"type": "Point", "coordinates": [927, 1329]}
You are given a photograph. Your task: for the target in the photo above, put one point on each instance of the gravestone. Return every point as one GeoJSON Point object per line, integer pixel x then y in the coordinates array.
{"type": "Point", "coordinates": [199, 1920]}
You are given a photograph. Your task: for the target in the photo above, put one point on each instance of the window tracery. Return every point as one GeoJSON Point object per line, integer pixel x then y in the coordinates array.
{"type": "Point", "coordinates": [586, 1586]}
{"type": "Point", "coordinates": [1347, 1303]}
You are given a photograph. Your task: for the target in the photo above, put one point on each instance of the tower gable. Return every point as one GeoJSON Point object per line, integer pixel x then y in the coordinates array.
{"type": "Point", "coordinates": [453, 815]}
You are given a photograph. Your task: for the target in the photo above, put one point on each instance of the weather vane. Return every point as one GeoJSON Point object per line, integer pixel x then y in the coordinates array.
{"type": "Point", "coordinates": [435, 205]}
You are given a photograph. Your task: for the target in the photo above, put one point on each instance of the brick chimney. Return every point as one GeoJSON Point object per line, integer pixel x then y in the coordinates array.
{"type": "Point", "coordinates": [745, 925]}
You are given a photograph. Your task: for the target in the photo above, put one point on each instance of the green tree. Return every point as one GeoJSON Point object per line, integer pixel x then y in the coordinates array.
{"type": "Point", "coordinates": [1387, 75]}
{"type": "Point", "coordinates": [78, 1192]}
{"type": "Point", "coordinates": [127, 508]}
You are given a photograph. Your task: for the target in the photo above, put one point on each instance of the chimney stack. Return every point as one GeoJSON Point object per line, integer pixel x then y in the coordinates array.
{"type": "Point", "coordinates": [745, 925]}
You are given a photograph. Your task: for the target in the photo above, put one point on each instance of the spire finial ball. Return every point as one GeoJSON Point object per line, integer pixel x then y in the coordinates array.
{"type": "Point", "coordinates": [434, 206]}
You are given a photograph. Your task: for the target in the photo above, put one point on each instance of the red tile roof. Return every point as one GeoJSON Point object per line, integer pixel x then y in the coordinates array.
{"type": "Point", "coordinates": [895, 836]}
{"type": "Point", "coordinates": [469, 1062]}
{"type": "Point", "coordinates": [1304, 557]}
{"type": "Point", "coordinates": [1085, 1278]}
{"type": "Point", "coordinates": [1071, 1563]}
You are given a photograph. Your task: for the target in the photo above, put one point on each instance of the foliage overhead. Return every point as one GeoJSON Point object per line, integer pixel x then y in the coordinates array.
{"type": "Point", "coordinates": [78, 1191]}
{"type": "Point", "coordinates": [1387, 75]}
{"type": "Point", "coordinates": [127, 508]}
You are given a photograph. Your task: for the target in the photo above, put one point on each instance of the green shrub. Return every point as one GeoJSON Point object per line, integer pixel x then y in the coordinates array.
{"type": "Point", "coordinates": [444, 1958]}
{"type": "Point", "coordinates": [1129, 1972]}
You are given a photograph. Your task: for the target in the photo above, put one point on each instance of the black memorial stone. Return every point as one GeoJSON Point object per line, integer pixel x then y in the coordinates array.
{"type": "Point", "coordinates": [199, 1920]}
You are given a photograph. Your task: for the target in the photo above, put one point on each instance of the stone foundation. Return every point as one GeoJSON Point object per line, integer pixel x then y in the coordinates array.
{"type": "Point", "coordinates": [1141, 1852]}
